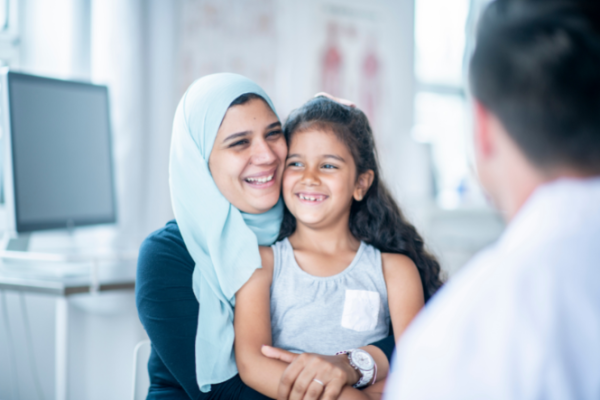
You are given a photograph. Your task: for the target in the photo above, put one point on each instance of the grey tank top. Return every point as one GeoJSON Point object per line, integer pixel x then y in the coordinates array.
{"type": "Point", "coordinates": [325, 315]}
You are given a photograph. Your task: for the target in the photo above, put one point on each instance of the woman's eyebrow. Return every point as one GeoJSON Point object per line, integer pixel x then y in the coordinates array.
{"type": "Point", "coordinates": [273, 125]}
{"type": "Point", "coordinates": [245, 133]}
{"type": "Point", "coordinates": [237, 135]}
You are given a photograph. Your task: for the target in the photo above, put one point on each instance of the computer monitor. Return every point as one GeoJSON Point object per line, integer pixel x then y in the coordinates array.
{"type": "Point", "coordinates": [57, 158]}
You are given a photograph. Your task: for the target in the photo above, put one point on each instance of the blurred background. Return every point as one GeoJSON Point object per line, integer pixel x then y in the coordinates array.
{"type": "Point", "coordinates": [402, 61]}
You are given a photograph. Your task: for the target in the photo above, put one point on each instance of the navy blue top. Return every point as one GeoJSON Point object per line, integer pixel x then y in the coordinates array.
{"type": "Point", "coordinates": [168, 309]}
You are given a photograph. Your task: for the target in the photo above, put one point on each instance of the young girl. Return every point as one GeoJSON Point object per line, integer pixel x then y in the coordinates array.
{"type": "Point", "coordinates": [348, 267]}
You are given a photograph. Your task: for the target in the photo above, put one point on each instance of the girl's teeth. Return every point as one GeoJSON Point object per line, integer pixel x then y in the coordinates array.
{"type": "Point", "coordinates": [310, 198]}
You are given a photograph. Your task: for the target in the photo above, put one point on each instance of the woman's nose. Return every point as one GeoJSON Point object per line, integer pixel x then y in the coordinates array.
{"type": "Point", "coordinates": [263, 153]}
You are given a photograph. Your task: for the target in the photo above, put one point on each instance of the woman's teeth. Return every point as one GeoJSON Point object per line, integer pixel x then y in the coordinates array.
{"type": "Point", "coordinates": [264, 179]}
{"type": "Point", "coordinates": [311, 198]}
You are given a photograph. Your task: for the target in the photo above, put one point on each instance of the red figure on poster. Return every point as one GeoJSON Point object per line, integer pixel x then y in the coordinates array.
{"type": "Point", "coordinates": [332, 63]}
{"type": "Point", "coordinates": [370, 87]}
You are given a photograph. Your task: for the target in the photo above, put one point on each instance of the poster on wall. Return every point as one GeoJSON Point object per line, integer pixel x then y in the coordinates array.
{"type": "Point", "coordinates": [351, 64]}
{"type": "Point", "coordinates": [228, 36]}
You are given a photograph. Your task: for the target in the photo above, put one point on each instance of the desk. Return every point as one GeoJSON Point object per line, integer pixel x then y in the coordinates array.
{"type": "Point", "coordinates": [117, 277]}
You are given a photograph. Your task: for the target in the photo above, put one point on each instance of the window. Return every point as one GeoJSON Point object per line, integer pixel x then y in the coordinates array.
{"type": "Point", "coordinates": [444, 31]}
{"type": "Point", "coordinates": [9, 39]}
{"type": "Point", "coordinates": [9, 53]}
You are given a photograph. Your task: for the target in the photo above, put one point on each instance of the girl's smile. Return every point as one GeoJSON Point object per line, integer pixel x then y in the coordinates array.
{"type": "Point", "coordinates": [311, 198]}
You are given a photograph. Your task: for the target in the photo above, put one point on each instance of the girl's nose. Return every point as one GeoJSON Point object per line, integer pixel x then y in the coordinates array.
{"type": "Point", "coordinates": [262, 153]}
{"type": "Point", "coordinates": [310, 178]}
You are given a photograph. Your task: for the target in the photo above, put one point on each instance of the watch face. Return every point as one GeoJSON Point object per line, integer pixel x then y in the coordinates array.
{"type": "Point", "coordinates": [362, 359]}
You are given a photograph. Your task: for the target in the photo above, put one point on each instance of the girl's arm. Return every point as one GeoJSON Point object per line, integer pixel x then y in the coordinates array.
{"type": "Point", "coordinates": [252, 323]}
{"type": "Point", "coordinates": [405, 290]}
{"type": "Point", "coordinates": [405, 300]}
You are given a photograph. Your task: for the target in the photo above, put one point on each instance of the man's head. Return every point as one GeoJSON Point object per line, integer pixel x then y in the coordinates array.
{"type": "Point", "coordinates": [535, 76]}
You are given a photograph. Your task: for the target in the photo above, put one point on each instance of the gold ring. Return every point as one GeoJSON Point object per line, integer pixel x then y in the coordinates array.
{"type": "Point", "coordinates": [319, 382]}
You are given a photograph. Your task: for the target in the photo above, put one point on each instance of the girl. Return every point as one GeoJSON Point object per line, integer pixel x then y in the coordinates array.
{"type": "Point", "coordinates": [347, 264]}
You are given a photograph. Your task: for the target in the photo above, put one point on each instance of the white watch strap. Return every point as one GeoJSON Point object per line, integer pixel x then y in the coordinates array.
{"type": "Point", "coordinates": [366, 375]}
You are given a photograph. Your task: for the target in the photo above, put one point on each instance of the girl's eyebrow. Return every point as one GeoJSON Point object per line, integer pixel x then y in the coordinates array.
{"type": "Point", "coordinates": [335, 157]}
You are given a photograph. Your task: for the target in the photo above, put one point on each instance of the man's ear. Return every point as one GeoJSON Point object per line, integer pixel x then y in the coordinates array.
{"type": "Point", "coordinates": [363, 183]}
{"type": "Point", "coordinates": [483, 139]}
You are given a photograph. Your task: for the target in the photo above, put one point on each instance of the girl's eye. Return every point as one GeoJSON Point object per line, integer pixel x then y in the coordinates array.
{"type": "Point", "coordinates": [294, 164]}
{"type": "Point", "coordinates": [329, 166]}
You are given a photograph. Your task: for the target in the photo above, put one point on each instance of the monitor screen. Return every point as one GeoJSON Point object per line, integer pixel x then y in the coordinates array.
{"type": "Point", "coordinates": [61, 153]}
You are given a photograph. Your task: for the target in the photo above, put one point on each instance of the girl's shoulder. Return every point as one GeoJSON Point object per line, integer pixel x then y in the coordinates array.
{"type": "Point", "coordinates": [399, 267]}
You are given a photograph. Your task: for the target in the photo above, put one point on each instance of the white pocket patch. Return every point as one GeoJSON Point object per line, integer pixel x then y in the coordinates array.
{"type": "Point", "coordinates": [361, 310]}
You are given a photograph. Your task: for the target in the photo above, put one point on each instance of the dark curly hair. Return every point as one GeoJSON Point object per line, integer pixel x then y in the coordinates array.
{"type": "Point", "coordinates": [377, 219]}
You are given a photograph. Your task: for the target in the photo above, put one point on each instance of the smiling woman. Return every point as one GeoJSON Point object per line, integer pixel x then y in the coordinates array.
{"type": "Point", "coordinates": [246, 161]}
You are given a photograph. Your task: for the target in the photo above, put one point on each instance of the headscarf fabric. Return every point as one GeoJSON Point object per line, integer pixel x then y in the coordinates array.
{"type": "Point", "coordinates": [222, 240]}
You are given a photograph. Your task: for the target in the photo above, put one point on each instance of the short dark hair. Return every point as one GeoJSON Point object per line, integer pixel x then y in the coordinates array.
{"type": "Point", "coordinates": [536, 67]}
{"type": "Point", "coordinates": [377, 219]}
{"type": "Point", "coordinates": [246, 97]}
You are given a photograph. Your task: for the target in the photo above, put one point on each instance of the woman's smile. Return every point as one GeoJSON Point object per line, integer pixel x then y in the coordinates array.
{"type": "Point", "coordinates": [261, 180]}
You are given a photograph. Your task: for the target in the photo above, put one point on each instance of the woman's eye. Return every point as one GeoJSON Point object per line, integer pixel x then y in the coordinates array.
{"type": "Point", "coordinates": [274, 134]}
{"type": "Point", "coordinates": [239, 143]}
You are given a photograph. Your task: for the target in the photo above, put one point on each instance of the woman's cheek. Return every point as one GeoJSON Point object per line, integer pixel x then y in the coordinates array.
{"type": "Point", "coordinates": [281, 151]}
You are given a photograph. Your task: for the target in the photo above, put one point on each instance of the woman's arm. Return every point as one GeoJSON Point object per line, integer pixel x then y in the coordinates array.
{"type": "Point", "coordinates": [168, 311]}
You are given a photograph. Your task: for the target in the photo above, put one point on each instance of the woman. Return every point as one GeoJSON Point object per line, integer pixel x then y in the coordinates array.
{"type": "Point", "coordinates": [227, 158]}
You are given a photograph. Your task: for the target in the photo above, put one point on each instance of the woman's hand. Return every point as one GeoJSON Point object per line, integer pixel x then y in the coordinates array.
{"type": "Point", "coordinates": [300, 381]}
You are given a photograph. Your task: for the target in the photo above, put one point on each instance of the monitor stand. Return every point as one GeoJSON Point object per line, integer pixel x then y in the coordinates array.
{"type": "Point", "coordinates": [20, 243]}
{"type": "Point", "coordinates": [16, 256]}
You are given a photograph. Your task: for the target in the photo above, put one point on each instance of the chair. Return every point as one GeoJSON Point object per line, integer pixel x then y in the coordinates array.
{"type": "Point", "coordinates": [141, 379]}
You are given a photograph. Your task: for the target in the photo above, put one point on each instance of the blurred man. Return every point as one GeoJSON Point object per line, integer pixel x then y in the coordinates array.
{"type": "Point", "coordinates": [522, 320]}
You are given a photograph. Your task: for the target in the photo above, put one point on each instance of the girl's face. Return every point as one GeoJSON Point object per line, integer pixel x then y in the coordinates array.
{"type": "Point", "coordinates": [248, 156]}
{"type": "Point", "coordinates": [319, 181]}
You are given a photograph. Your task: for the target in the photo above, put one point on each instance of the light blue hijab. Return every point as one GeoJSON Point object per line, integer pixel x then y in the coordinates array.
{"type": "Point", "coordinates": [222, 240]}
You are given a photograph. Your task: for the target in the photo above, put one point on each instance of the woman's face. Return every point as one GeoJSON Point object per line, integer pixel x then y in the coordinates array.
{"type": "Point", "coordinates": [248, 156]}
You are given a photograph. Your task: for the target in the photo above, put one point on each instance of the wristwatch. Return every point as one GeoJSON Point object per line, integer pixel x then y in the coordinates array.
{"type": "Point", "coordinates": [362, 361]}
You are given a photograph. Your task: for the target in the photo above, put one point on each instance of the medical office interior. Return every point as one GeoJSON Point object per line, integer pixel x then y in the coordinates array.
{"type": "Point", "coordinates": [401, 61]}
